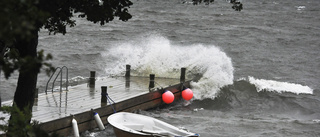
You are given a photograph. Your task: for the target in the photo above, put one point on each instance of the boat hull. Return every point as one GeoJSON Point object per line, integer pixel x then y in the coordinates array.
{"type": "Point", "coordinates": [122, 133]}
{"type": "Point", "coordinates": [135, 125]}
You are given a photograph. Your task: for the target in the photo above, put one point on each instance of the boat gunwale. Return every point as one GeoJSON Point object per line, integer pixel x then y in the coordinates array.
{"type": "Point", "coordinates": [115, 123]}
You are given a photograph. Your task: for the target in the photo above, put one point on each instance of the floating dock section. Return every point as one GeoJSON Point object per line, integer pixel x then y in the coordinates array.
{"type": "Point", "coordinates": [55, 110]}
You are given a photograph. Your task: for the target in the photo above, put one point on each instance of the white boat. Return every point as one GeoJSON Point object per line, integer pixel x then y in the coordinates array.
{"type": "Point", "coordinates": [136, 125]}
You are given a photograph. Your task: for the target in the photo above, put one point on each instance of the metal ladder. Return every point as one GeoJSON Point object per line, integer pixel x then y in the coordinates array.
{"type": "Point", "coordinates": [59, 71]}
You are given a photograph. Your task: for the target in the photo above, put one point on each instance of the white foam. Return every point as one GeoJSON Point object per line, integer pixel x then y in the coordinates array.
{"type": "Point", "coordinates": [300, 7]}
{"type": "Point", "coordinates": [271, 85]}
{"type": "Point", "coordinates": [154, 54]}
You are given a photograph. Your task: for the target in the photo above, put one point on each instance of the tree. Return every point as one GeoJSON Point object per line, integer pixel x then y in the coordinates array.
{"type": "Point", "coordinates": [20, 22]}
{"type": "Point", "coordinates": [21, 125]}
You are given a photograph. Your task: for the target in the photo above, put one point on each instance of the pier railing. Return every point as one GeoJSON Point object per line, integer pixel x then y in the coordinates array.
{"type": "Point", "coordinates": [59, 71]}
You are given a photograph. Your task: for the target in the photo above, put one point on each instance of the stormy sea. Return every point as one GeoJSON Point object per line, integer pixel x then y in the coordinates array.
{"type": "Point", "coordinates": [257, 69]}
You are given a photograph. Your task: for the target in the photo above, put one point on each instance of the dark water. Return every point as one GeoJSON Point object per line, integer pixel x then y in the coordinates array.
{"type": "Point", "coordinates": [259, 67]}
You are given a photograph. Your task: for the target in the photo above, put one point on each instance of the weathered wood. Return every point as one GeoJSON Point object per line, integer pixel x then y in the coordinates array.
{"type": "Point", "coordinates": [151, 83]}
{"type": "Point", "coordinates": [144, 106]}
{"type": "Point", "coordinates": [103, 95]}
{"type": "Point", "coordinates": [92, 79]}
{"type": "Point", "coordinates": [183, 75]}
{"type": "Point", "coordinates": [128, 67]}
{"type": "Point", "coordinates": [143, 102]}
{"type": "Point", "coordinates": [54, 110]}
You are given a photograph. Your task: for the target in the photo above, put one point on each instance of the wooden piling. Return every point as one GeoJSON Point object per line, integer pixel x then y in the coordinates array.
{"type": "Point", "coordinates": [151, 83]}
{"type": "Point", "coordinates": [92, 79]}
{"type": "Point", "coordinates": [183, 75]}
{"type": "Point", "coordinates": [127, 71]}
{"type": "Point", "coordinates": [127, 84]}
{"type": "Point", "coordinates": [103, 96]}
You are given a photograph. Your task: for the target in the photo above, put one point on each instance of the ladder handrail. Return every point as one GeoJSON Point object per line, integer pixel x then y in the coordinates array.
{"type": "Point", "coordinates": [51, 77]}
{"type": "Point", "coordinates": [59, 72]}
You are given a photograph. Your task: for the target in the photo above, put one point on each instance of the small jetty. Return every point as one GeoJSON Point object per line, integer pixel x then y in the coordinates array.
{"type": "Point", "coordinates": [55, 109]}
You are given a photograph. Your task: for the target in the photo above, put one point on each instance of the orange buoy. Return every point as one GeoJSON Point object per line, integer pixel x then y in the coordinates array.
{"type": "Point", "coordinates": [187, 94]}
{"type": "Point", "coordinates": [167, 97]}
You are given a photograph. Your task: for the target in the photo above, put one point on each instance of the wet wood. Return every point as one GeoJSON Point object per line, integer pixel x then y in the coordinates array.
{"type": "Point", "coordinates": [55, 110]}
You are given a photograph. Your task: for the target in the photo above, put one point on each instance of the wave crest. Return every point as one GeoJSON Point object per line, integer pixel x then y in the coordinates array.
{"type": "Point", "coordinates": [154, 54]}
{"type": "Point", "coordinates": [271, 85]}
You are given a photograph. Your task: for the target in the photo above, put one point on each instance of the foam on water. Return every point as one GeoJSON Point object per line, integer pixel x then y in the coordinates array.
{"type": "Point", "coordinates": [271, 85]}
{"type": "Point", "coordinates": [154, 54]}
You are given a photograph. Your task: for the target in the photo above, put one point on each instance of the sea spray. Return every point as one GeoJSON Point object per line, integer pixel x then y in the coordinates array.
{"type": "Point", "coordinates": [154, 54]}
{"type": "Point", "coordinates": [276, 86]}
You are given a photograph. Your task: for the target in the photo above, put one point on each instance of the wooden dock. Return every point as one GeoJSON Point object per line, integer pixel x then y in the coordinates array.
{"type": "Point", "coordinates": [55, 110]}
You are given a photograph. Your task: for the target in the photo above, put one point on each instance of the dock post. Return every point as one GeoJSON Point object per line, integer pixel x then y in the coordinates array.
{"type": "Point", "coordinates": [151, 83]}
{"type": "Point", "coordinates": [92, 79]}
{"type": "Point", "coordinates": [103, 96]}
{"type": "Point", "coordinates": [127, 76]}
{"type": "Point", "coordinates": [127, 71]}
{"type": "Point", "coordinates": [183, 75]}
{"type": "Point", "coordinates": [127, 83]}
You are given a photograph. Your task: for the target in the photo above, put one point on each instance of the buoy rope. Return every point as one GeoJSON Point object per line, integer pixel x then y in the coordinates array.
{"type": "Point", "coordinates": [183, 87]}
{"type": "Point", "coordinates": [109, 99]}
{"type": "Point", "coordinates": [158, 84]}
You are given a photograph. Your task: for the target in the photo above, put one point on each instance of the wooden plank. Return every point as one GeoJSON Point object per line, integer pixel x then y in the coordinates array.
{"type": "Point", "coordinates": [44, 115]}
{"type": "Point", "coordinates": [89, 103]}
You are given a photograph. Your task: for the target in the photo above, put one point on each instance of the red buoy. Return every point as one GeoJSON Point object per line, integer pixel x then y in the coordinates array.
{"type": "Point", "coordinates": [167, 97]}
{"type": "Point", "coordinates": [187, 94]}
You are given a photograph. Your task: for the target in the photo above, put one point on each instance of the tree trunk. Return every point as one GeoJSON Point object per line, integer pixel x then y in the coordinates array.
{"type": "Point", "coordinates": [28, 73]}
{"type": "Point", "coordinates": [27, 81]}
